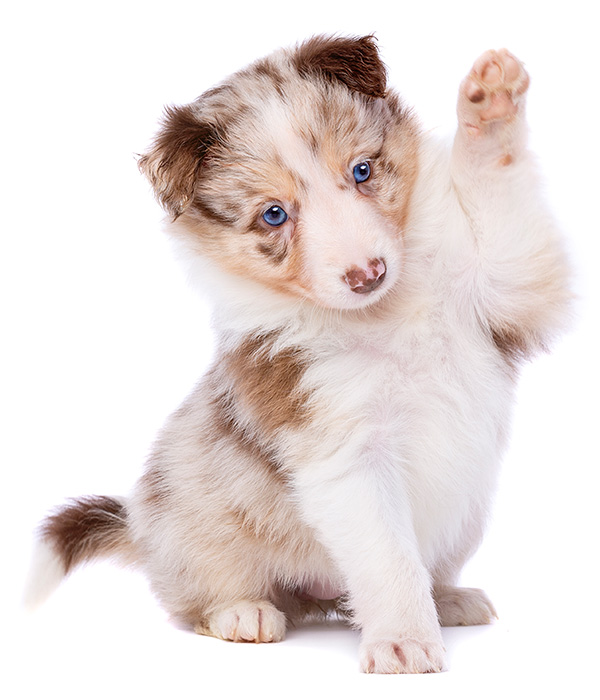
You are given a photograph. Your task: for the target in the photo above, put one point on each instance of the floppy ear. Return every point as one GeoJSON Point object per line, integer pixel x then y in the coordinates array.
{"type": "Point", "coordinates": [173, 163]}
{"type": "Point", "coordinates": [353, 61]}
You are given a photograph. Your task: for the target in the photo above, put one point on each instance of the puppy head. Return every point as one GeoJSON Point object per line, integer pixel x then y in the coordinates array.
{"type": "Point", "coordinates": [295, 172]}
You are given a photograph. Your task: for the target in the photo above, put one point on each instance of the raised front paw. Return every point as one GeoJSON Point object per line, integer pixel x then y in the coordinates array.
{"type": "Point", "coordinates": [401, 656]}
{"type": "Point", "coordinates": [463, 606]}
{"type": "Point", "coordinates": [492, 92]}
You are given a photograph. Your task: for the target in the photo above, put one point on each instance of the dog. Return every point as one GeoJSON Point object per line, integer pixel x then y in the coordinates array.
{"type": "Point", "coordinates": [376, 292]}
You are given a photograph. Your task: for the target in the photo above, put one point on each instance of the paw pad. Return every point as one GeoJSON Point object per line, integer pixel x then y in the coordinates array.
{"type": "Point", "coordinates": [492, 89]}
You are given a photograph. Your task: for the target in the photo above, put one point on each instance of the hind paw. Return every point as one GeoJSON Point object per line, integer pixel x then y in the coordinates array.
{"type": "Point", "coordinates": [245, 621]}
{"type": "Point", "coordinates": [463, 606]}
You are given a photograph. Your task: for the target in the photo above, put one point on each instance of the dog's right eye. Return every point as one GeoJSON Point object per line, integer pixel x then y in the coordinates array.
{"type": "Point", "coordinates": [275, 216]}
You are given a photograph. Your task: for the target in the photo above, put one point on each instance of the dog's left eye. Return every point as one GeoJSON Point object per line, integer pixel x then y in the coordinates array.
{"type": "Point", "coordinates": [362, 172]}
{"type": "Point", "coordinates": [275, 216]}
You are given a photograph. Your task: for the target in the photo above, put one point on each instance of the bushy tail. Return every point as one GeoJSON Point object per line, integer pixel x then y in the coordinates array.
{"type": "Point", "coordinates": [84, 529]}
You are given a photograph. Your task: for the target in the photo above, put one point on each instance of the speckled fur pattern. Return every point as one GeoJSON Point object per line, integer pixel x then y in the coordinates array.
{"type": "Point", "coordinates": [342, 451]}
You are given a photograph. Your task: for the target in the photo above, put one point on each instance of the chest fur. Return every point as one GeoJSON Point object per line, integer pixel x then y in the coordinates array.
{"type": "Point", "coordinates": [429, 410]}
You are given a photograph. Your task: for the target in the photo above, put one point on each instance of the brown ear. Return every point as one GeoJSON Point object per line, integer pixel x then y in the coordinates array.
{"type": "Point", "coordinates": [353, 61]}
{"type": "Point", "coordinates": [173, 163]}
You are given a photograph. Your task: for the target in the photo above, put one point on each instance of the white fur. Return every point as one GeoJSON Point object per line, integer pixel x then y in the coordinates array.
{"type": "Point", "coordinates": [415, 416]}
{"type": "Point", "coordinates": [409, 388]}
{"type": "Point", "coordinates": [45, 575]}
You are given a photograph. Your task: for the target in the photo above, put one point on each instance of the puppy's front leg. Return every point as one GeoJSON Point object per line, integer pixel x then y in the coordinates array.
{"type": "Point", "coordinates": [361, 514]}
{"type": "Point", "coordinates": [516, 273]}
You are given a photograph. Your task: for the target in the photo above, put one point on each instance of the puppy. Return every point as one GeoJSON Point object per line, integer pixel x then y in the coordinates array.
{"type": "Point", "coordinates": [375, 293]}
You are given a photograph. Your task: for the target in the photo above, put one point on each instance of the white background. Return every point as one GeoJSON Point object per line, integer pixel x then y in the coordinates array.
{"type": "Point", "coordinates": [102, 337]}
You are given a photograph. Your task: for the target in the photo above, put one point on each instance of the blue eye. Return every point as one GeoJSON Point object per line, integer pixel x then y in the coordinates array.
{"type": "Point", "coordinates": [275, 216]}
{"type": "Point", "coordinates": [362, 172]}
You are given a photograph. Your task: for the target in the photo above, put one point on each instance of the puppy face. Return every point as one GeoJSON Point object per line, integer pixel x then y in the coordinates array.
{"type": "Point", "coordinates": [296, 172]}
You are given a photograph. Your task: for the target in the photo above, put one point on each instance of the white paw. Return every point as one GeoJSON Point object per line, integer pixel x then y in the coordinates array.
{"type": "Point", "coordinates": [246, 621]}
{"type": "Point", "coordinates": [492, 91]}
{"type": "Point", "coordinates": [401, 656]}
{"type": "Point", "coordinates": [463, 606]}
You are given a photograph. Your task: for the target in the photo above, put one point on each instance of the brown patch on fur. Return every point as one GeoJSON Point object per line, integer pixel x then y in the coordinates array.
{"type": "Point", "coordinates": [269, 71]}
{"type": "Point", "coordinates": [353, 61]}
{"type": "Point", "coordinates": [173, 163]}
{"type": "Point", "coordinates": [210, 213]}
{"type": "Point", "coordinates": [507, 159]}
{"type": "Point", "coordinates": [86, 528]}
{"type": "Point", "coordinates": [226, 424]}
{"type": "Point", "coordinates": [266, 384]}
{"type": "Point", "coordinates": [511, 343]}
{"type": "Point", "coordinates": [275, 250]}
{"type": "Point", "coordinates": [249, 525]}
{"type": "Point", "coordinates": [395, 171]}
{"type": "Point", "coordinates": [154, 485]}
{"type": "Point", "coordinates": [246, 245]}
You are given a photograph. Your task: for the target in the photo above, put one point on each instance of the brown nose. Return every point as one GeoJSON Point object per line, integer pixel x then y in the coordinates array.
{"type": "Point", "coordinates": [363, 280]}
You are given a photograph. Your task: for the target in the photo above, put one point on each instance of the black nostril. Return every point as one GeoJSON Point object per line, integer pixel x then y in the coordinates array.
{"type": "Point", "coordinates": [363, 280]}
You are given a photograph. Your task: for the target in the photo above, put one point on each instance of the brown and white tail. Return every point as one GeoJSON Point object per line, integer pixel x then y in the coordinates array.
{"type": "Point", "coordinates": [91, 527]}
